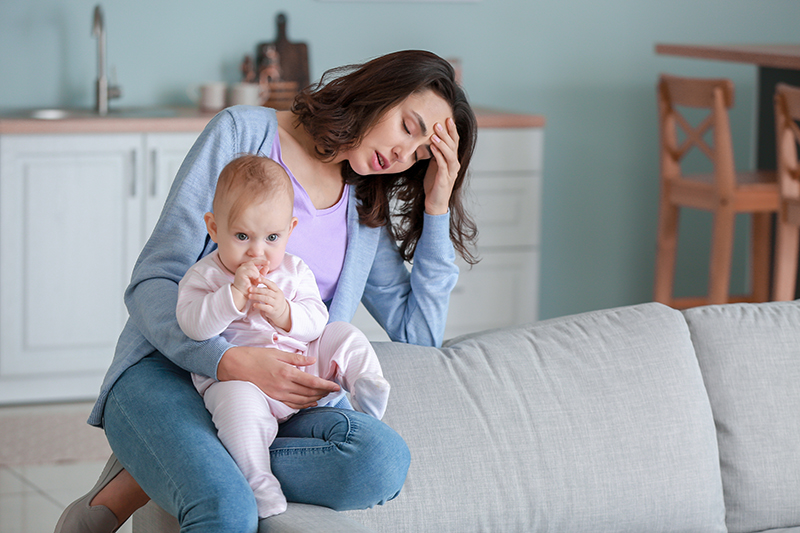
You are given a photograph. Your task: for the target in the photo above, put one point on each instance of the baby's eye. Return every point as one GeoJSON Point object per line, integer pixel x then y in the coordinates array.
{"type": "Point", "coordinates": [241, 236]}
{"type": "Point", "coordinates": [273, 237]}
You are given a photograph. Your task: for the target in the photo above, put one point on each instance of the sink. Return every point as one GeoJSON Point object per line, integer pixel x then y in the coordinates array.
{"type": "Point", "coordinates": [50, 114]}
{"type": "Point", "coordinates": [66, 113]}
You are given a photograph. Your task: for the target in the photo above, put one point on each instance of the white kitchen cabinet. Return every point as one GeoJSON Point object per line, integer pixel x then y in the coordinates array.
{"type": "Point", "coordinates": [75, 210]}
{"type": "Point", "coordinates": [504, 196]}
{"type": "Point", "coordinates": [163, 153]}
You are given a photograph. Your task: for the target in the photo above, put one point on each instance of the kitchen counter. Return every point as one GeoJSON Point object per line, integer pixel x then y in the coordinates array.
{"type": "Point", "coordinates": [191, 119]}
{"type": "Point", "coordinates": [492, 118]}
{"type": "Point", "coordinates": [165, 120]}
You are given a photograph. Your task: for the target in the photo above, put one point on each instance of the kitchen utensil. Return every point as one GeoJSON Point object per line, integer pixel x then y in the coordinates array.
{"type": "Point", "coordinates": [292, 57]}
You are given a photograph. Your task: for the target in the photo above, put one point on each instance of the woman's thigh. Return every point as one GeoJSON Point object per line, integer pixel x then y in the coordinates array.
{"type": "Point", "coordinates": [161, 432]}
{"type": "Point", "coordinates": [339, 458]}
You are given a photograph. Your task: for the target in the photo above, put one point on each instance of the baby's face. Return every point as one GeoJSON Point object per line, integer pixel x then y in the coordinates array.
{"type": "Point", "coordinates": [259, 232]}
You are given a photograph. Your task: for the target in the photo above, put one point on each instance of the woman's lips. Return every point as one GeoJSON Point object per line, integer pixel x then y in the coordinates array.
{"type": "Point", "coordinates": [379, 162]}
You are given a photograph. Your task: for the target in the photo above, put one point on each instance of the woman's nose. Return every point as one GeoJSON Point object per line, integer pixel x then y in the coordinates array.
{"type": "Point", "coordinates": [403, 152]}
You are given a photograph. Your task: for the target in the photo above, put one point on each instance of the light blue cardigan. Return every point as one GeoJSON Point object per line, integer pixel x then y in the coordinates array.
{"type": "Point", "coordinates": [411, 306]}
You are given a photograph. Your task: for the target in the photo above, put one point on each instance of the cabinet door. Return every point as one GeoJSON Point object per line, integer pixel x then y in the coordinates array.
{"type": "Point", "coordinates": [504, 188]}
{"type": "Point", "coordinates": [500, 291]}
{"type": "Point", "coordinates": [506, 209]}
{"type": "Point", "coordinates": [70, 219]}
{"type": "Point", "coordinates": [164, 153]}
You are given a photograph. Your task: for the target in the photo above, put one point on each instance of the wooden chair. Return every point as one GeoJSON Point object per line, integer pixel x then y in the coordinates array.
{"type": "Point", "coordinates": [723, 192]}
{"type": "Point", "coordinates": [787, 113]}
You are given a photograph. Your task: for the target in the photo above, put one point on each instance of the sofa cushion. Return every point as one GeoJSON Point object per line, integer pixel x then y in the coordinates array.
{"type": "Point", "coordinates": [595, 422]}
{"type": "Point", "coordinates": [750, 358]}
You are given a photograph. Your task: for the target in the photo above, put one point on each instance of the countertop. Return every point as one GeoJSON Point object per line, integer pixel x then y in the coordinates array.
{"type": "Point", "coordinates": [784, 56]}
{"type": "Point", "coordinates": [191, 119]}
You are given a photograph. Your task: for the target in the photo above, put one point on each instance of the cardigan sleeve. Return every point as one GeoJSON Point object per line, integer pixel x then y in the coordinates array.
{"type": "Point", "coordinates": [180, 238]}
{"type": "Point", "coordinates": [412, 306]}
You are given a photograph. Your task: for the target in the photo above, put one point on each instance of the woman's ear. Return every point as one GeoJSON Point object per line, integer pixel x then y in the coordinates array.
{"type": "Point", "coordinates": [211, 226]}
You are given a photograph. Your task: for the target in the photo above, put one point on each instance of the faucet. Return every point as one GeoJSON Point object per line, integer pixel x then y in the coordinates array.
{"type": "Point", "coordinates": [103, 92]}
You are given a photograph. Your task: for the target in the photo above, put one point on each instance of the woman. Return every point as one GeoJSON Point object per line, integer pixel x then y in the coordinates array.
{"type": "Point", "coordinates": [397, 129]}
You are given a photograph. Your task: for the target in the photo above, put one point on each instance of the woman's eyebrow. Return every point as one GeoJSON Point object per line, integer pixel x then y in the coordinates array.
{"type": "Point", "coordinates": [422, 126]}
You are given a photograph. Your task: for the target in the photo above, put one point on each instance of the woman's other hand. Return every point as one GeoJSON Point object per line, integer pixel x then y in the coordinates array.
{"type": "Point", "coordinates": [273, 371]}
{"type": "Point", "coordinates": [443, 168]}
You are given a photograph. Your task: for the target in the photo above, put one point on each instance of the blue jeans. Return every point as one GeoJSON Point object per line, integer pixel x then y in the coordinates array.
{"type": "Point", "coordinates": [161, 432]}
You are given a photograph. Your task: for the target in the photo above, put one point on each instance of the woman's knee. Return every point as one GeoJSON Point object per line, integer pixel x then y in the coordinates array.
{"type": "Point", "coordinates": [362, 461]}
{"type": "Point", "coordinates": [384, 460]}
{"type": "Point", "coordinates": [379, 462]}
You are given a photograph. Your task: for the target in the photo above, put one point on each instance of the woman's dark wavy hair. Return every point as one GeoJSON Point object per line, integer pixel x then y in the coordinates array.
{"type": "Point", "coordinates": [347, 102]}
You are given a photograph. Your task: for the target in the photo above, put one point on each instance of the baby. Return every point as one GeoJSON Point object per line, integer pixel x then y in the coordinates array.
{"type": "Point", "coordinates": [250, 291]}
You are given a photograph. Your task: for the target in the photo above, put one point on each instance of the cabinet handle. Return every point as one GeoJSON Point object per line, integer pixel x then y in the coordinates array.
{"type": "Point", "coordinates": [134, 159]}
{"type": "Point", "coordinates": [153, 173]}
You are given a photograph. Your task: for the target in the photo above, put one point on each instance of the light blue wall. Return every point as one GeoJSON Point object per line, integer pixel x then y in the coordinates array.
{"type": "Point", "coordinates": [588, 66]}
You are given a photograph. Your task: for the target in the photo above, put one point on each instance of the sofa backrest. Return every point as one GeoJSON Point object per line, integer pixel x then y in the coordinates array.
{"type": "Point", "coordinates": [750, 358]}
{"type": "Point", "coordinates": [594, 422]}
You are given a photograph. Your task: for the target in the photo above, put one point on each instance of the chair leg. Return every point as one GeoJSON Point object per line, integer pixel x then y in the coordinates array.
{"type": "Point", "coordinates": [786, 250]}
{"type": "Point", "coordinates": [721, 251]}
{"type": "Point", "coordinates": [666, 251]}
{"type": "Point", "coordinates": [762, 250]}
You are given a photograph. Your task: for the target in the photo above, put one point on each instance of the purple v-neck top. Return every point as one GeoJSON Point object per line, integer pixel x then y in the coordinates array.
{"type": "Point", "coordinates": [320, 238]}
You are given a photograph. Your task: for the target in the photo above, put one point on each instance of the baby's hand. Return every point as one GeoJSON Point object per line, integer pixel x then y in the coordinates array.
{"type": "Point", "coordinates": [270, 300]}
{"type": "Point", "coordinates": [248, 275]}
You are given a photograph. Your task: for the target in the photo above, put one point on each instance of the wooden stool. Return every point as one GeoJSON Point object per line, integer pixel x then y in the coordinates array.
{"type": "Point", "coordinates": [787, 112]}
{"type": "Point", "coordinates": [724, 192]}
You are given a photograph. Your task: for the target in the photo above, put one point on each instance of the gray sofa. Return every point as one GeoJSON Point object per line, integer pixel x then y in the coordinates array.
{"type": "Point", "coordinates": [638, 419]}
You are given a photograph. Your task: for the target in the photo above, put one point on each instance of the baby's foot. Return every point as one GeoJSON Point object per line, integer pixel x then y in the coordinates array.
{"type": "Point", "coordinates": [269, 496]}
{"type": "Point", "coordinates": [270, 502]}
{"type": "Point", "coordinates": [370, 394]}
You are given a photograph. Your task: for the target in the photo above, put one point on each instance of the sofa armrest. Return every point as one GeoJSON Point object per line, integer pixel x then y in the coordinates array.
{"type": "Point", "coordinates": [298, 518]}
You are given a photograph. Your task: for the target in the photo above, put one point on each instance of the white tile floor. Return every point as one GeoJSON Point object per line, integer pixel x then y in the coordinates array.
{"type": "Point", "coordinates": [33, 496]}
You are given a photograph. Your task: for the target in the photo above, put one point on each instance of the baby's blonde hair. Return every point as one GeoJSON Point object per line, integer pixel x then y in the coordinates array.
{"type": "Point", "coordinates": [248, 179]}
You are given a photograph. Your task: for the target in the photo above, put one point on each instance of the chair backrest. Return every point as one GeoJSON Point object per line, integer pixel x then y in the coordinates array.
{"type": "Point", "coordinates": [717, 96]}
{"type": "Point", "coordinates": [787, 113]}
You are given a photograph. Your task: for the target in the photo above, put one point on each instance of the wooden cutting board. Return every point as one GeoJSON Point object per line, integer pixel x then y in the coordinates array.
{"type": "Point", "coordinates": [293, 57]}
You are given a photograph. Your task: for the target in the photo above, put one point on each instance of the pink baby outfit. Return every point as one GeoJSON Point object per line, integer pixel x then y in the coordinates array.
{"type": "Point", "coordinates": [206, 309]}
{"type": "Point", "coordinates": [246, 418]}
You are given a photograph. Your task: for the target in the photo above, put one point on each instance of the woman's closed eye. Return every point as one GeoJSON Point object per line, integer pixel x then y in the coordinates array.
{"type": "Point", "coordinates": [405, 128]}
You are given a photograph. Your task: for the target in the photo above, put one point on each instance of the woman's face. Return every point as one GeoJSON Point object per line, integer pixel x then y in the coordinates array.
{"type": "Point", "coordinates": [401, 137]}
